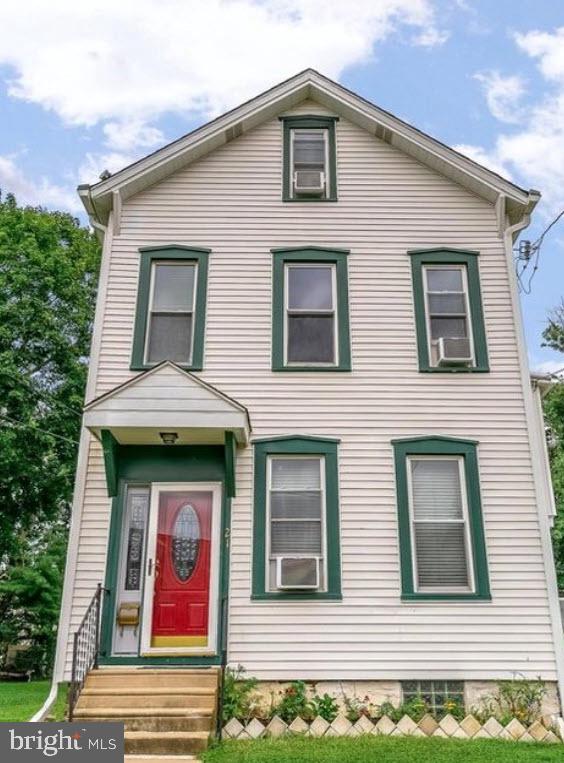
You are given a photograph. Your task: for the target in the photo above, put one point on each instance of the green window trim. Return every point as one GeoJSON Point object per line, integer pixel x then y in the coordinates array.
{"type": "Point", "coordinates": [297, 445]}
{"type": "Point", "coordinates": [441, 446]}
{"type": "Point", "coordinates": [149, 255]}
{"type": "Point", "coordinates": [313, 122]}
{"type": "Point", "coordinates": [445, 256]}
{"type": "Point", "coordinates": [330, 256]}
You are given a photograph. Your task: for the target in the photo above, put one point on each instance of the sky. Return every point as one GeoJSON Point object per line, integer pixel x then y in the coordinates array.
{"type": "Point", "coordinates": [91, 86]}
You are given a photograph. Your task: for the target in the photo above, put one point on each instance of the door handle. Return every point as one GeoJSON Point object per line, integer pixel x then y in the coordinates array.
{"type": "Point", "coordinates": [150, 569]}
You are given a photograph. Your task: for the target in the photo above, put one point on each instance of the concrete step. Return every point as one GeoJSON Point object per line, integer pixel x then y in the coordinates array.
{"type": "Point", "coordinates": [145, 679]}
{"type": "Point", "coordinates": [127, 702]}
{"type": "Point", "coordinates": [157, 691]}
{"type": "Point", "coordinates": [165, 743]}
{"type": "Point", "coordinates": [153, 719]}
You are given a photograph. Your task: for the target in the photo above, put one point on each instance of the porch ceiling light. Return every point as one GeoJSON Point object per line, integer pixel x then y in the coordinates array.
{"type": "Point", "coordinates": [168, 438]}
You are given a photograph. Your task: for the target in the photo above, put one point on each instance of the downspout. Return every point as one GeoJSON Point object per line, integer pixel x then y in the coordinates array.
{"type": "Point", "coordinates": [80, 475]}
{"type": "Point", "coordinates": [542, 510]}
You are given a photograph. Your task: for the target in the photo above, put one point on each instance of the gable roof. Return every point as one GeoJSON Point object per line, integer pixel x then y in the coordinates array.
{"type": "Point", "coordinates": [99, 198]}
{"type": "Point", "coordinates": [166, 397]}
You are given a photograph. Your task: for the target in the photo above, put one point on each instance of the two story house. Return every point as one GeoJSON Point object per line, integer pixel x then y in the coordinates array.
{"type": "Point", "coordinates": [311, 444]}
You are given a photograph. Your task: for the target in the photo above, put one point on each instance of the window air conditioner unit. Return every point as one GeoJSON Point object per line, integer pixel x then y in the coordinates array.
{"type": "Point", "coordinates": [309, 182]}
{"type": "Point", "coordinates": [297, 572]}
{"type": "Point", "coordinates": [454, 352]}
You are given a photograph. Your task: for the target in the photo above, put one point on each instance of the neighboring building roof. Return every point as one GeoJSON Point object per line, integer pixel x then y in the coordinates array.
{"type": "Point", "coordinates": [98, 199]}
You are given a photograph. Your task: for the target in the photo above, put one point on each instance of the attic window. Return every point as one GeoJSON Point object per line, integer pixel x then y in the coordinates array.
{"type": "Point", "coordinates": [309, 167]}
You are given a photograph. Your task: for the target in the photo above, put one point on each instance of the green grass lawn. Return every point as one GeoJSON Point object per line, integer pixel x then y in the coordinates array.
{"type": "Point", "coordinates": [19, 701]}
{"type": "Point", "coordinates": [371, 749]}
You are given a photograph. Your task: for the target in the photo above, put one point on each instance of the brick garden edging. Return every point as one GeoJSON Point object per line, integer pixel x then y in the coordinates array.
{"type": "Point", "coordinates": [469, 728]}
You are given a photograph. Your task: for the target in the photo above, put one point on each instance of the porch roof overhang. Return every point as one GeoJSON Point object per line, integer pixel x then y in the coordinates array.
{"type": "Point", "coordinates": [167, 398]}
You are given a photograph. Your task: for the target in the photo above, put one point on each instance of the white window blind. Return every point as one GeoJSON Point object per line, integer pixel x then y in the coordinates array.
{"type": "Point", "coordinates": [310, 314]}
{"type": "Point", "coordinates": [296, 508]}
{"type": "Point", "coordinates": [171, 312]}
{"type": "Point", "coordinates": [439, 524]}
{"type": "Point", "coordinates": [447, 309]}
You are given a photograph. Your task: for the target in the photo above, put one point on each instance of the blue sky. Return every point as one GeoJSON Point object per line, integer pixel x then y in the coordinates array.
{"type": "Point", "coordinates": [89, 86]}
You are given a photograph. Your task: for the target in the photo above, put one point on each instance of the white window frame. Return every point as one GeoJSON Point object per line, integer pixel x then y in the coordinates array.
{"type": "Point", "coordinates": [471, 588]}
{"type": "Point", "coordinates": [325, 132]}
{"type": "Point", "coordinates": [468, 316]}
{"type": "Point", "coordinates": [176, 263]}
{"type": "Point", "coordinates": [308, 311]}
{"type": "Point", "coordinates": [130, 596]}
{"type": "Point", "coordinates": [322, 560]}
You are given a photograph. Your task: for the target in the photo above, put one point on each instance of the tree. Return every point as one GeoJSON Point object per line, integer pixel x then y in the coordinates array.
{"type": "Point", "coordinates": [554, 415]}
{"type": "Point", "coordinates": [553, 334]}
{"type": "Point", "coordinates": [48, 275]}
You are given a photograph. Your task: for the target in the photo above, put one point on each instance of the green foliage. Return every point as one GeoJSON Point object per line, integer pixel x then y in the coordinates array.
{"type": "Point", "coordinates": [553, 334]}
{"type": "Point", "coordinates": [355, 707]}
{"type": "Point", "coordinates": [554, 416]}
{"type": "Point", "coordinates": [326, 706]}
{"type": "Point", "coordinates": [237, 694]}
{"type": "Point", "coordinates": [519, 698]}
{"type": "Point", "coordinates": [295, 703]}
{"type": "Point", "coordinates": [369, 748]}
{"type": "Point", "coordinates": [30, 594]}
{"type": "Point", "coordinates": [48, 273]}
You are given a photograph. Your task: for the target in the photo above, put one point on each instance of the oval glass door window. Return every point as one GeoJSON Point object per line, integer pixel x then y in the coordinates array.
{"type": "Point", "coordinates": [185, 544]}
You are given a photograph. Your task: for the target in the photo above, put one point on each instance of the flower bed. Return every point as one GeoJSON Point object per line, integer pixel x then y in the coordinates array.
{"type": "Point", "coordinates": [467, 728]}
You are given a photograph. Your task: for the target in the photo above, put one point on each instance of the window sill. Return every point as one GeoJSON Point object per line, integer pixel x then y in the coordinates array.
{"type": "Point", "coordinates": [309, 200]}
{"type": "Point", "coordinates": [432, 597]}
{"type": "Point", "coordinates": [453, 370]}
{"type": "Point", "coordinates": [302, 596]}
{"type": "Point", "coordinates": [307, 369]}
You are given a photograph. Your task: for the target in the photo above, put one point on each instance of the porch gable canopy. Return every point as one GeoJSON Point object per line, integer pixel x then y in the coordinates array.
{"type": "Point", "coordinates": [167, 399]}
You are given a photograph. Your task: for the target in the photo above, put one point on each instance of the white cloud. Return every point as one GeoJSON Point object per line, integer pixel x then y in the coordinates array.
{"type": "Point", "coordinates": [96, 163]}
{"type": "Point", "coordinates": [127, 63]}
{"type": "Point", "coordinates": [34, 191]}
{"type": "Point", "coordinates": [128, 134]}
{"type": "Point", "coordinates": [548, 366]}
{"type": "Point", "coordinates": [534, 151]}
{"type": "Point", "coordinates": [503, 94]}
{"type": "Point", "coordinates": [484, 158]}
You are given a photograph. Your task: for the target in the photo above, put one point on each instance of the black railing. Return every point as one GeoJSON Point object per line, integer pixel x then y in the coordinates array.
{"type": "Point", "coordinates": [223, 663]}
{"type": "Point", "coordinates": [85, 648]}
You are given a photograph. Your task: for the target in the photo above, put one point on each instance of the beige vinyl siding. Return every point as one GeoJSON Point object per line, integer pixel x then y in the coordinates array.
{"type": "Point", "coordinates": [231, 202]}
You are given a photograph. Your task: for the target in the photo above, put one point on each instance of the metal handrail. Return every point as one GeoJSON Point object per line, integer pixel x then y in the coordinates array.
{"type": "Point", "coordinates": [86, 646]}
{"type": "Point", "coordinates": [223, 663]}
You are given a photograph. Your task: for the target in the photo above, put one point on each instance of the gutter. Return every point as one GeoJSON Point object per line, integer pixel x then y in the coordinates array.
{"type": "Point", "coordinates": [510, 233]}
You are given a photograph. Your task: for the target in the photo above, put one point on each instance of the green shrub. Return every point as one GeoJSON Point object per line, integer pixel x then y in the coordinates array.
{"type": "Point", "coordinates": [295, 703]}
{"type": "Point", "coordinates": [519, 698]}
{"type": "Point", "coordinates": [326, 706]}
{"type": "Point", "coordinates": [237, 701]}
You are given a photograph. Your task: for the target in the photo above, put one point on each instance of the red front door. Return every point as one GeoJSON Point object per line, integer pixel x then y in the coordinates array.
{"type": "Point", "coordinates": [181, 598]}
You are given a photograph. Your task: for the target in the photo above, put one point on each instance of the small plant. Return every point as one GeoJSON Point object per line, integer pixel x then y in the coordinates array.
{"type": "Point", "coordinates": [326, 706]}
{"type": "Point", "coordinates": [237, 700]}
{"type": "Point", "coordinates": [519, 698]}
{"type": "Point", "coordinates": [295, 703]}
{"type": "Point", "coordinates": [455, 708]}
{"type": "Point", "coordinates": [356, 707]}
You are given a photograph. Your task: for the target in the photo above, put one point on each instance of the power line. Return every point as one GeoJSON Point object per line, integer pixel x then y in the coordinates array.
{"type": "Point", "coordinates": [528, 253]}
{"type": "Point", "coordinates": [23, 425]}
{"type": "Point", "coordinates": [39, 391]}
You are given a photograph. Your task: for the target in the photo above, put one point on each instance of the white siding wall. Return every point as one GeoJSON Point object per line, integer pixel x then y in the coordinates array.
{"type": "Point", "coordinates": [388, 203]}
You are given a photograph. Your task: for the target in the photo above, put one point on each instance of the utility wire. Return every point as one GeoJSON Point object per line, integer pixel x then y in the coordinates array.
{"type": "Point", "coordinates": [532, 255]}
{"type": "Point", "coordinates": [23, 425]}
{"type": "Point", "coordinates": [39, 391]}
